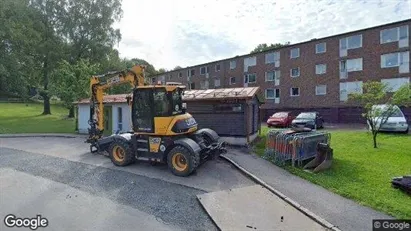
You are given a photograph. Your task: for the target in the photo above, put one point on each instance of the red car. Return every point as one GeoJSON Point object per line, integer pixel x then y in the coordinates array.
{"type": "Point", "coordinates": [280, 119]}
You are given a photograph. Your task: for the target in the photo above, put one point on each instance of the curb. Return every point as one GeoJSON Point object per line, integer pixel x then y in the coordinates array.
{"type": "Point", "coordinates": [36, 135]}
{"type": "Point", "coordinates": [293, 203]}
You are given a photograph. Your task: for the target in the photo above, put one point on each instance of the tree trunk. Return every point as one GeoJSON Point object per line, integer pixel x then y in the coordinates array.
{"type": "Point", "coordinates": [374, 138]}
{"type": "Point", "coordinates": [46, 97]}
{"type": "Point", "coordinates": [71, 112]}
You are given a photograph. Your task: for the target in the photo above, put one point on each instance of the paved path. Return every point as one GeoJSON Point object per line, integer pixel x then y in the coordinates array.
{"type": "Point", "coordinates": [76, 190]}
{"type": "Point", "coordinates": [339, 211]}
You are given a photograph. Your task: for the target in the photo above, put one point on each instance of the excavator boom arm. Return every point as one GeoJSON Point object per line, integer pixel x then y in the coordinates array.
{"type": "Point", "coordinates": [98, 84]}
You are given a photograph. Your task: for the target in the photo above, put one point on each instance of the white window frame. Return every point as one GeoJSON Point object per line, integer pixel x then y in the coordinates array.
{"type": "Point", "coordinates": [295, 76]}
{"type": "Point", "coordinates": [398, 54]}
{"type": "Point", "coordinates": [291, 91]}
{"type": "Point", "coordinates": [248, 78]}
{"type": "Point", "coordinates": [348, 62]}
{"type": "Point", "coordinates": [206, 70]}
{"type": "Point", "coordinates": [323, 86]}
{"type": "Point", "coordinates": [320, 52]}
{"type": "Point", "coordinates": [233, 64]}
{"type": "Point", "coordinates": [390, 87]}
{"type": "Point", "coordinates": [266, 90]}
{"type": "Point", "coordinates": [219, 82]}
{"type": "Point", "coordinates": [322, 65]}
{"type": "Point", "coordinates": [231, 82]}
{"type": "Point", "coordinates": [275, 57]}
{"type": "Point", "coordinates": [350, 90]}
{"type": "Point", "coordinates": [291, 53]}
{"type": "Point", "coordinates": [216, 67]}
{"type": "Point", "coordinates": [346, 39]}
{"type": "Point", "coordinates": [398, 29]}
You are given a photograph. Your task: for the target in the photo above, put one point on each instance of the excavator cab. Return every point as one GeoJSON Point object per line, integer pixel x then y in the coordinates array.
{"type": "Point", "coordinates": [162, 131]}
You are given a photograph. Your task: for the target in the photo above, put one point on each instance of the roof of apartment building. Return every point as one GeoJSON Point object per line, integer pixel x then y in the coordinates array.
{"type": "Point", "coordinates": [195, 95]}
{"type": "Point", "coordinates": [286, 46]}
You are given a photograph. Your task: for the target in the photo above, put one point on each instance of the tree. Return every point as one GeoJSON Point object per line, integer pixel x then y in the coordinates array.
{"type": "Point", "coordinates": [161, 70]}
{"type": "Point", "coordinates": [49, 47]}
{"type": "Point", "coordinates": [18, 37]}
{"type": "Point", "coordinates": [264, 47]}
{"type": "Point", "coordinates": [71, 82]}
{"type": "Point", "coordinates": [177, 68]}
{"type": "Point", "coordinates": [377, 93]}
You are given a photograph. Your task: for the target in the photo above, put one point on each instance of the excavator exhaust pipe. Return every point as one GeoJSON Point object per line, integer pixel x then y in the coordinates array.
{"type": "Point", "coordinates": [323, 159]}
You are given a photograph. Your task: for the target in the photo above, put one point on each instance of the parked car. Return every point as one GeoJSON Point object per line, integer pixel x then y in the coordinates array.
{"type": "Point", "coordinates": [311, 120]}
{"type": "Point", "coordinates": [396, 122]}
{"type": "Point", "coordinates": [280, 119]}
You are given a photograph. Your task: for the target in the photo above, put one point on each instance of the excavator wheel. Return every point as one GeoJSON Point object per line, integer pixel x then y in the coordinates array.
{"type": "Point", "coordinates": [121, 153]}
{"type": "Point", "coordinates": [181, 161]}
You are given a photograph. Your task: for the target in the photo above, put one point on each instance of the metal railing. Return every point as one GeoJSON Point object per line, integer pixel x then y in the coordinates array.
{"type": "Point", "coordinates": [296, 146]}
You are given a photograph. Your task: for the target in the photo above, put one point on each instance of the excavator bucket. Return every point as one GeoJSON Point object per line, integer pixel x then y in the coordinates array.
{"type": "Point", "coordinates": [323, 159]}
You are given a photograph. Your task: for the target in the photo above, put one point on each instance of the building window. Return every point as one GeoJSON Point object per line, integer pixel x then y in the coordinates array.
{"type": "Point", "coordinates": [233, 64]}
{"type": "Point", "coordinates": [351, 42]}
{"type": "Point", "coordinates": [192, 86]}
{"type": "Point", "coordinates": [249, 62]}
{"type": "Point", "coordinates": [193, 72]}
{"type": "Point", "coordinates": [395, 59]}
{"type": "Point", "coordinates": [320, 69]}
{"type": "Point", "coordinates": [394, 84]}
{"type": "Point", "coordinates": [294, 91]}
{"type": "Point", "coordinates": [351, 65]}
{"type": "Point", "coordinates": [295, 53]}
{"type": "Point", "coordinates": [250, 78]}
{"type": "Point", "coordinates": [272, 75]}
{"type": "Point", "coordinates": [295, 72]}
{"type": "Point", "coordinates": [232, 80]}
{"type": "Point", "coordinates": [180, 75]}
{"type": "Point", "coordinates": [348, 88]}
{"type": "Point", "coordinates": [169, 77]}
{"type": "Point", "coordinates": [272, 93]}
{"type": "Point", "coordinates": [320, 48]}
{"type": "Point", "coordinates": [120, 118]}
{"type": "Point", "coordinates": [216, 82]}
{"type": "Point", "coordinates": [203, 70]}
{"type": "Point", "coordinates": [321, 90]}
{"type": "Point", "coordinates": [393, 34]}
{"type": "Point", "coordinates": [272, 57]}
{"type": "Point", "coordinates": [217, 67]}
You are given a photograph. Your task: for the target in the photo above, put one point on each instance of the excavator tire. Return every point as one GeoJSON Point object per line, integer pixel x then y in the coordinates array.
{"type": "Point", "coordinates": [181, 161]}
{"type": "Point", "coordinates": [121, 153]}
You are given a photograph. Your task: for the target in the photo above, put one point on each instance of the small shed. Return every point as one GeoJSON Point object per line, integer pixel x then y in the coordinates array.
{"type": "Point", "coordinates": [117, 114]}
{"type": "Point", "coordinates": [234, 113]}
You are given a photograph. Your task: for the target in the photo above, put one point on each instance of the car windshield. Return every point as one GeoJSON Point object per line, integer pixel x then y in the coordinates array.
{"type": "Point", "coordinates": [280, 115]}
{"type": "Point", "coordinates": [394, 112]}
{"type": "Point", "coordinates": [306, 116]}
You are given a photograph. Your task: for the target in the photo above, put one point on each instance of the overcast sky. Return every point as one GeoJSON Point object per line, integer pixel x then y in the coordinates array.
{"type": "Point", "coordinates": [168, 33]}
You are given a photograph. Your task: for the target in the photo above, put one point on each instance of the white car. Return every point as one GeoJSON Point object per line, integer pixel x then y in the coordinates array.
{"type": "Point", "coordinates": [395, 123]}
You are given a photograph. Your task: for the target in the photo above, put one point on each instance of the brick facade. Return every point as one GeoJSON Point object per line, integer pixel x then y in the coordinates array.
{"type": "Point", "coordinates": [330, 104]}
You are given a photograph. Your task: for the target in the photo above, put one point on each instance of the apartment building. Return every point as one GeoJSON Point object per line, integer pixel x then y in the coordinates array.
{"type": "Point", "coordinates": [313, 75]}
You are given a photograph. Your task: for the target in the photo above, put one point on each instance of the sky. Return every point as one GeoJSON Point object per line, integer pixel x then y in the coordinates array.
{"type": "Point", "coordinates": [167, 33]}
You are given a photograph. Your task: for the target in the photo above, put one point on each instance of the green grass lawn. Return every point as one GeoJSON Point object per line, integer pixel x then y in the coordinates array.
{"type": "Point", "coordinates": [362, 173]}
{"type": "Point", "coordinates": [19, 118]}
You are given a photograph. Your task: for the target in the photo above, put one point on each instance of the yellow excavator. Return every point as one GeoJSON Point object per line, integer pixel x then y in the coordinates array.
{"type": "Point", "coordinates": [162, 131]}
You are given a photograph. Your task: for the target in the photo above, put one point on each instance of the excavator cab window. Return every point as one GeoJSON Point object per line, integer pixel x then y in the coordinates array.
{"type": "Point", "coordinates": [176, 99]}
{"type": "Point", "coordinates": [142, 110]}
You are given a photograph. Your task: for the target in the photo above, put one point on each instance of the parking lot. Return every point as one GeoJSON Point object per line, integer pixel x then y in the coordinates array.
{"type": "Point", "coordinates": [86, 191]}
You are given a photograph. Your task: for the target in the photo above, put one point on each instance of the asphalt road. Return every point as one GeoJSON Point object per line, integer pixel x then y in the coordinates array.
{"type": "Point", "coordinates": [76, 190]}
